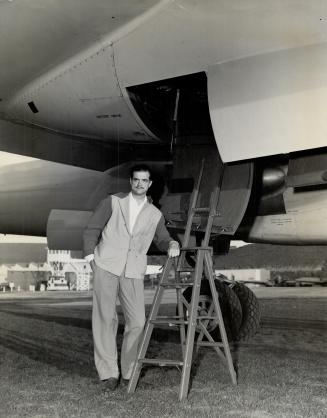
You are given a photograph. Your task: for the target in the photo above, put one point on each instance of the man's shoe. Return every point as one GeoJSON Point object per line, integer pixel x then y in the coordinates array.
{"type": "Point", "coordinates": [124, 382]}
{"type": "Point", "coordinates": [111, 384]}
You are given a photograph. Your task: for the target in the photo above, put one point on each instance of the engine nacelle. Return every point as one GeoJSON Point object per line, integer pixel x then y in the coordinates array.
{"type": "Point", "coordinates": [65, 229]}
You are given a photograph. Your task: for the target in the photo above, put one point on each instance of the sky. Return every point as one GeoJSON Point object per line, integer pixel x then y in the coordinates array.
{"type": "Point", "coordinates": [8, 159]}
{"type": "Point", "coordinates": [6, 239]}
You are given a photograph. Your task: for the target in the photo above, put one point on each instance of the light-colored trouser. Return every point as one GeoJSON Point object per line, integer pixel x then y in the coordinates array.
{"type": "Point", "coordinates": [106, 288]}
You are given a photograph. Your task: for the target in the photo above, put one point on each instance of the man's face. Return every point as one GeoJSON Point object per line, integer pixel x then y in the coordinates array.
{"type": "Point", "coordinates": [140, 183]}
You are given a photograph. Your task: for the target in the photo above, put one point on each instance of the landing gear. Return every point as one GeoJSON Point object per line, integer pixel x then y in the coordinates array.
{"type": "Point", "coordinates": [239, 306]}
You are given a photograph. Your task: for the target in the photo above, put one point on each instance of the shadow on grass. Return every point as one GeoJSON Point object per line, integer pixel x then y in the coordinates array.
{"type": "Point", "coordinates": [159, 334]}
{"type": "Point", "coordinates": [68, 354]}
{"type": "Point", "coordinates": [58, 319]}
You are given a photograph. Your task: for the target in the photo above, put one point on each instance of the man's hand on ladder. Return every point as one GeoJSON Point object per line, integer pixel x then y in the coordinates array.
{"type": "Point", "coordinates": [173, 249]}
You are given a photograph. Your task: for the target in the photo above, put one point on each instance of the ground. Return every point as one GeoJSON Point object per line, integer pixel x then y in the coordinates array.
{"type": "Point", "coordinates": [47, 370]}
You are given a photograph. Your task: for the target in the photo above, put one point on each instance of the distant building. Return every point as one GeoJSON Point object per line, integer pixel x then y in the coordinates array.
{"type": "Point", "coordinates": [60, 272]}
{"type": "Point", "coordinates": [24, 276]}
{"type": "Point", "coordinates": [3, 273]}
{"type": "Point", "coordinates": [254, 276]}
{"type": "Point", "coordinates": [77, 272]}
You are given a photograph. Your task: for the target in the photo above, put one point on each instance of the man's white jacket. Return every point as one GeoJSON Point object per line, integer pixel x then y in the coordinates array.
{"type": "Point", "coordinates": [115, 247]}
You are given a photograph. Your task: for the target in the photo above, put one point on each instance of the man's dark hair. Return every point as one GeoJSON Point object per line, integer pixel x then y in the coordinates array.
{"type": "Point", "coordinates": [140, 167]}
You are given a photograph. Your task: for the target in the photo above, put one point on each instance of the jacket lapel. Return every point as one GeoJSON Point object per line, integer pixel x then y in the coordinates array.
{"type": "Point", "coordinates": [124, 206]}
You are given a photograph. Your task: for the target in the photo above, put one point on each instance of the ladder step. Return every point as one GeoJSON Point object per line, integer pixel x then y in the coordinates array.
{"type": "Point", "coordinates": [185, 269]}
{"type": "Point", "coordinates": [201, 210]}
{"type": "Point", "coordinates": [161, 362]}
{"type": "Point", "coordinates": [202, 318]}
{"type": "Point", "coordinates": [175, 320]}
{"type": "Point", "coordinates": [195, 248]}
{"type": "Point", "coordinates": [168, 321]}
{"type": "Point", "coordinates": [176, 285]}
{"type": "Point", "coordinates": [210, 344]}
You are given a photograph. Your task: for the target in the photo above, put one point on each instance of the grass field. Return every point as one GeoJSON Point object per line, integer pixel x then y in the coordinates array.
{"type": "Point", "coordinates": [46, 365]}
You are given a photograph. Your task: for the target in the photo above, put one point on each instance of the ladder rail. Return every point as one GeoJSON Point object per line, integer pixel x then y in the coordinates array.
{"type": "Point", "coordinates": [186, 239]}
{"type": "Point", "coordinates": [190, 215]}
{"type": "Point", "coordinates": [180, 311]}
{"type": "Point", "coordinates": [208, 266]}
{"type": "Point", "coordinates": [191, 327]}
{"type": "Point", "coordinates": [148, 329]}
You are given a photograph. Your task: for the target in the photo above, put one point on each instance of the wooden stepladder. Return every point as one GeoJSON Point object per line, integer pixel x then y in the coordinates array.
{"type": "Point", "coordinates": [203, 270]}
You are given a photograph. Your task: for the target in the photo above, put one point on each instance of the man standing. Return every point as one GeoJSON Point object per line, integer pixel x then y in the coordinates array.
{"type": "Point", "coordinates": [116, 241]}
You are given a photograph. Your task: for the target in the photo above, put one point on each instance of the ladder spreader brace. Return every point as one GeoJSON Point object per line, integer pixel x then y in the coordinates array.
{"type": "Point", "coordinates": [203, 267]}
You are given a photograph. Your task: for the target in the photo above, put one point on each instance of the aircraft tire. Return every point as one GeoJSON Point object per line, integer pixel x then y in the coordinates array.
{"type": "Point", "coordinates": [230, 307]}
{"type": "Point", "coordinates": [250, 310]}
